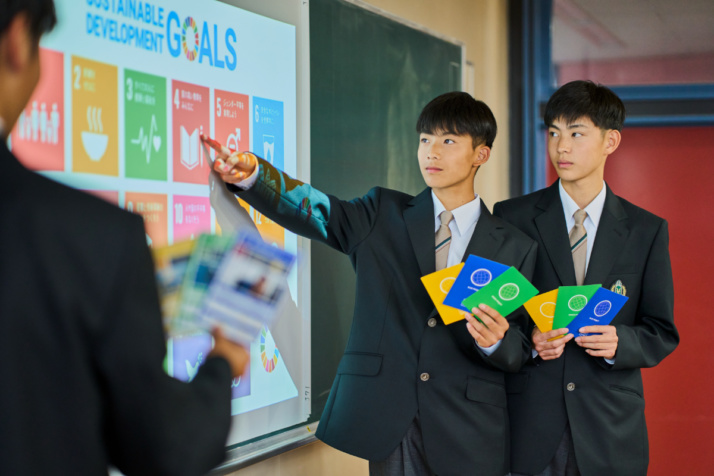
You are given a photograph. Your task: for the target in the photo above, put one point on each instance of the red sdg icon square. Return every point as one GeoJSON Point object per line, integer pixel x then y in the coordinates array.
{"type": "Point", "coordinates": [38, 137]}
{"type": "Point", "coordinates": [190, 106]}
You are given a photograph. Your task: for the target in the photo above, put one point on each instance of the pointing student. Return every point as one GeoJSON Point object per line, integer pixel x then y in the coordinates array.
{"type": "Point", "coordinates": [412, 395]}
{"type": "Point", "coordinates": [578, 406]}
{"type": "Point", "coordinates": [81, 341]}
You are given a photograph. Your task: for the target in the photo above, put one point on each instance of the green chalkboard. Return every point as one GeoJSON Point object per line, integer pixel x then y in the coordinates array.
{"type": "Point", "coordinates": [370, 76]}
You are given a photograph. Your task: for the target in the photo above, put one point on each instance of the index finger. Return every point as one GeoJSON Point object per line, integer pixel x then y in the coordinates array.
{"type": "Point", "coordinates": [554, 333]}
{"type": "Point", "coordinates": [215, 145]}
{"type": "Point", "coordinates": [594, 329]}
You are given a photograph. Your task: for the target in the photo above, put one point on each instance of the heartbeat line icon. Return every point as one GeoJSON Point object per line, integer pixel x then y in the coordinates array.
{"type": "Point", "coordinates": [147, 141]}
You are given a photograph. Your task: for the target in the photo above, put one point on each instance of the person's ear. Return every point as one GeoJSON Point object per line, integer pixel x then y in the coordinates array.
{"type": "Point", "coordinates": [17, 45]}
{"type": "Point", "coordinates": [481, 155]}
{"type": "Point", "coordinates": [612, 140]}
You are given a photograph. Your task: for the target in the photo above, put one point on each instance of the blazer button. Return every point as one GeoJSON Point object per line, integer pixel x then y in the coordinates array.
{"type": "Point", "coordinates": [424, 377]}
{"type": "Point", "coordinates": [431, 322]}
{"type": "Point", "coordinates": [570, 387]}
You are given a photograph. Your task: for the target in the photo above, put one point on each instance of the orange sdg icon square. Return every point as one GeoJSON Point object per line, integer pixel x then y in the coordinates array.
{"type": "Point", "coordinates": [38, 137]}
{"type": "Point", "coordinates": [153, 209]}
{"type": "Point", "coordinates": [270, 231]}
{"type": "Point", "coordinates": [94, 117]}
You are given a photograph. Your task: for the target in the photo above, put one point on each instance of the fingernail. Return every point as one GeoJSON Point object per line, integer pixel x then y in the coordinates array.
{"type": "Point", "coordinates": [482, 307]}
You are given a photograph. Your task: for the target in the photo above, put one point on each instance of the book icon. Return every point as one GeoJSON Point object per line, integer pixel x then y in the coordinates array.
{"type": "Point", "coordinates": [190, 149]}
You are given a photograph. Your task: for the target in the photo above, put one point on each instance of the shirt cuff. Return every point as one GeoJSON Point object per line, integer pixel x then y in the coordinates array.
{"type": "Point", "coordinates": [248, 182]}
{"type": "Point", "coordinates": [610, 361]}
{"type": "Point", "coordinates": [489, 350]}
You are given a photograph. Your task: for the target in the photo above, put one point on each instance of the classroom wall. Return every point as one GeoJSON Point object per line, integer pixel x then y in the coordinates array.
{"type": "Point", "coordinates": [482, 26]}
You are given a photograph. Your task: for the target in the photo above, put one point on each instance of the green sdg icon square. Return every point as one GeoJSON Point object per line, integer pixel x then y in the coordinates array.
{"type": "Point", "coordinates": [570, 301]}
{"type": "Point", "coordinates": [145, 139]}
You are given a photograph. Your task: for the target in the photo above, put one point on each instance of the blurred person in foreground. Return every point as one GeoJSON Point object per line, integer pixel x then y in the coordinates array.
{"type": "Point", "coordinates": [81, 341]}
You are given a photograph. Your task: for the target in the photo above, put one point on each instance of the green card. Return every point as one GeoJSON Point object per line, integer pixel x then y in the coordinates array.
{"type": "Point", "coordinates": [505, 293]}
{"type": "Point", "coordinates": [571, 300]}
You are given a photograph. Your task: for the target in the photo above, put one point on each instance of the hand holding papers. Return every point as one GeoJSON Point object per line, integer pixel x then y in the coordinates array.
{"type": "Point", "coordinates": [247, 290]}
{"type": "Point", "coordinates": [599, 311]}
{"type": "Point", "coordinates": [505, 294]}
{"type": "Point", "coordinates": [574, 307]}
{"type": "Point", "coordinates": [476, 273]}
{"type": "Point", "coordinates": [235, 284]}
{"type": "Point", "coordinates": [456, 290]}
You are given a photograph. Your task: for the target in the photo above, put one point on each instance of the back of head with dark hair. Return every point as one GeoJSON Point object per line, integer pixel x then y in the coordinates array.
{"type": "Point", "coordinates": [458, 113]}
{"type": "Point", "coordinates": [40, 13]}
{"type": "Point", "coordinates": [578, 99]}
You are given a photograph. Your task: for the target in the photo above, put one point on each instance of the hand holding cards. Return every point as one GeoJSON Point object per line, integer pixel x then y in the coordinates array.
{"type": "Point", "coordinates": [458, 289]}
{"type": "Point", "coordinates": [574, 307]}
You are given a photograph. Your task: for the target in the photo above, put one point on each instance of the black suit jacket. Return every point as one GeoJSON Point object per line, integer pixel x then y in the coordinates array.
{"type": "Point", "coordinates": [605, 405]}
{"type": "Point", "coordinates": [82, 347]}
{"type": "Point", "coordinates": [401, 360]}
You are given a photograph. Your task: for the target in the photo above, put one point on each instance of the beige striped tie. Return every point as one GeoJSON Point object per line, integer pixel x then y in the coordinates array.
{"type": "Point", "coordinates": [579, 246]}
{"type": "Point", "coordinates": [443, 239]}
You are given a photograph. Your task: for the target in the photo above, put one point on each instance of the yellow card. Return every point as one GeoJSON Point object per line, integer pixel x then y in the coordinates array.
{"type": "Point", "coordinates": [438, 285]}
{"type": "Point", "coordinates": [542, 309]}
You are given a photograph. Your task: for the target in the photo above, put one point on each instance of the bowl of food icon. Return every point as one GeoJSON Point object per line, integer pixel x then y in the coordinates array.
{"type": "Point", "coordinates": [94, 144]}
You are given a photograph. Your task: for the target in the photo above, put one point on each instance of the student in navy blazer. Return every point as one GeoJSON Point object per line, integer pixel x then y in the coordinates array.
{"type": "Point", "coordinates": [577, 407]}
{"type": "Point", "coordinates": [81, 341]}
{"type": "Point", "coordinates": [411, 394]}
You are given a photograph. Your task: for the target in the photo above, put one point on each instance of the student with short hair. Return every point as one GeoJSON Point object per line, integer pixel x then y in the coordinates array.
{"type": "Point", "coordinates": [412, 395]}
{"type": "Point", "coordinates": [577, 407]}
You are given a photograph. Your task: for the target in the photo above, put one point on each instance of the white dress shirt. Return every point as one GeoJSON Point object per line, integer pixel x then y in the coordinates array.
{"type": "Point", "coordinates": [462, 228]}
{"type": "Point", "coordinates": [594, 211]}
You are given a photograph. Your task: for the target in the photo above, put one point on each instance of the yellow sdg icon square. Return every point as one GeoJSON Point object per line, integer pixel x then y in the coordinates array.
{"type": "Point", "coordinates": [94, 117]}
{"type": "Point", "coordinates": [541, 308]}
{"type": "Point", "coordinates": [438, 285]}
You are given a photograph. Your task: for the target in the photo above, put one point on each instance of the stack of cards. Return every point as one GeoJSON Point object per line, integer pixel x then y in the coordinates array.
{"type": "Point", "coordinates": [574, 307]}
{"type": "Point", "coordinates": [237, 284]}
{"type": "Point", "coordinates": [458, 289]}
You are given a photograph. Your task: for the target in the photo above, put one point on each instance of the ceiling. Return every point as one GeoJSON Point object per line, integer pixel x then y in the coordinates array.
{"type": "Point", "coordinates": [615, 29]}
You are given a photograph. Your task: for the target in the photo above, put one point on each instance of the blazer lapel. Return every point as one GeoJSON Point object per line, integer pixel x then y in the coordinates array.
{"type": "Point", "coordinates": [554, 235]}
{"type": "Point", "coordinates": [419, 219]}
{"type": "Point", "coordinates": [612, 233]}
{"type": "Point", "coordinates": [487, 237]}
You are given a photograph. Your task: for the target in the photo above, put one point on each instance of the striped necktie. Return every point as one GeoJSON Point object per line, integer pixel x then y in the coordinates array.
{"type": "Point", "coordinates": [579, 246]}
{"type": "Point", "coordinates": [443, 239]}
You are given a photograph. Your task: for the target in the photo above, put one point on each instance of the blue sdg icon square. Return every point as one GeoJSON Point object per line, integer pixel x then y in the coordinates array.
{"type": "Point", "coordinates": [599, 311]}
{"type": "Point", "coordinates": [476, 273]}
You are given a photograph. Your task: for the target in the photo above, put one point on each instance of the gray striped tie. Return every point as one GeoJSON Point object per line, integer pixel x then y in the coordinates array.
{"type": "Point", "coordinates": [443, 239]}
{"type": "Point", "coordinates": [579, 246]}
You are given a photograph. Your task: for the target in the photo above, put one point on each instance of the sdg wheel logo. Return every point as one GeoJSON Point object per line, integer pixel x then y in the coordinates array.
{"type": "Point", "coordinates": [481, 277]}
{"type": "Point", "coordinates": [268, 352]}
{"type": "Point", "coordinates": [189, 38]}
{"type": "Point", "coordinates": [577, 302]}
{"type": "Point", "coordinates": [602, 308]}
{"type": "Point", "coordinates": [508, 291]}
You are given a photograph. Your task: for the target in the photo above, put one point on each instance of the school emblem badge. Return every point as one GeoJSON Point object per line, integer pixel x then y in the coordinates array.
{"type": "Point", "coordinates": [619, 288]}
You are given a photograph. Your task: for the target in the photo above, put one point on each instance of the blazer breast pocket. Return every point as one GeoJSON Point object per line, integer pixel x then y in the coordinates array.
{"type": "Point", "coordinates": [357, 363]}
{"type": "Point", "coordinates": [485, 391]}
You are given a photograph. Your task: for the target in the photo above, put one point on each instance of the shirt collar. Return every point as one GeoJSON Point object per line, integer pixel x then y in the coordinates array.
{"type": "Point", "coordinates": [464, 217]}
{"type": "Point", "coordinates": [594, 208]}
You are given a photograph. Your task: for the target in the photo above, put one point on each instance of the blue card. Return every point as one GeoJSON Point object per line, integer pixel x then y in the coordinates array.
{"type": "Point", "coordinates": [599, 311]}
{"type": "Point", "coordinates": [476, 273]}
